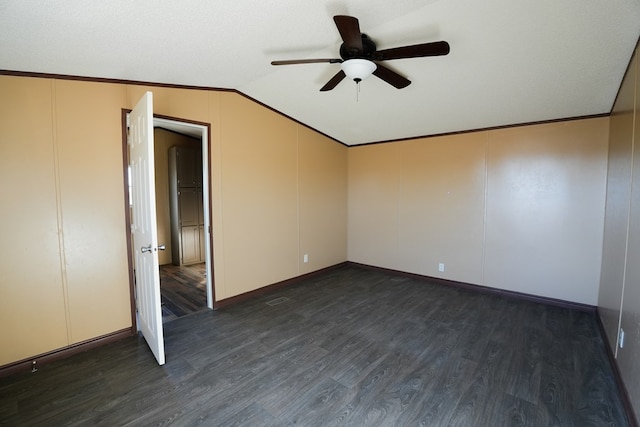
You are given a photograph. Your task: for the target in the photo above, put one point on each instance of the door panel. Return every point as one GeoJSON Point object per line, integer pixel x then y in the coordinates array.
{"type": "Point", "coordinates": [190, 244]}
{"type": "Point", "coordinates": [145, 234]}
{"type": "Point", "coordinates": [189, 200]}
{"type": "Point", "coordinates": [188, 174]}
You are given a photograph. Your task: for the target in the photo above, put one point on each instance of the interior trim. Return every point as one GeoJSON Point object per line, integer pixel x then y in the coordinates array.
{"type": "Point", "coordinates": [105, 80]}
{"type": "Point", "coordinates": [486, 290]}
{"type": "Point", "coordinates": [462, 132]}
{"type": "Point", "coordinates": [476, 288]}
{"type": "Point", "coordinates": [622, 389]}
{"type": "Point", "coordinates": [127, 209]}
{"type": "Point", "coordinates": [210, 178]}
{"type": "Point", "coordinates": [215, 89]}
{"type": "Point", "coordinates": [626, 70]}
{"type": "Point", "coordinates": [270, 288]}
{"type": "Point", "coordinates": [289, 117]}
{"type": "Point", "coordinates": [127, 218]}
{"type": "Point", "coordinates": [167, 85]}
{"type": "Point", "coordinates": [63, 353]}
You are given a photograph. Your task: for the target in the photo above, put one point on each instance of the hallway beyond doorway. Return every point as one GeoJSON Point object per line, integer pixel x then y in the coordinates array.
{"type": "Point", "coordinates": [182, 289]}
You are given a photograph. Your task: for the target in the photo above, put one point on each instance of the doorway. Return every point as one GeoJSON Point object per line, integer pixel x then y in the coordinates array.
{"type": "Point", "coordinates": [179, 184]}
{"type": "Point", "coordinates": [188, 285]}
{"type": "Point", "coordinates": [201, 133]}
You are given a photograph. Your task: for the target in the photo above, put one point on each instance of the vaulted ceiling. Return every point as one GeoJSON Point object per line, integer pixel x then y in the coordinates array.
{"type": "Point", "coordinates": [511, 62]}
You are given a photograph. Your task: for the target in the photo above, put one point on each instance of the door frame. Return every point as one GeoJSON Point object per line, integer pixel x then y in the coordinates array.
{"type": "Point", "coordinates": [207, 203]}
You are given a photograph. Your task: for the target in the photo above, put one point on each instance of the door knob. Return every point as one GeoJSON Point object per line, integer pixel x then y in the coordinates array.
{"type": "Point", "coordinates": [149, 248]}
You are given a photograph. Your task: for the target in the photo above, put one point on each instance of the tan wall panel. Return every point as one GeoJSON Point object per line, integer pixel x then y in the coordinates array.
{"type": "Point", "coordinates": [323, 201]}
{"type": "Point", "coordinates": [32, 308]}
{"type": "Point", "coordinates": [441, 219]}
{"type": "Point", "coordinates": [415, 204]}
{"type": "Point", "coordinates": [629, 355]}
{"type": "Point", "coordinates": [163, 140]}
{"type": "Point", "coordinates": [545, 209]}
{"type": "Point", "coordinates": [89, 137]}
{"type": "Point", "coordinates": [373, 204]}
{"type": "Point", "coordinates": [189, 104]}
{"type": "Point", "coordinates": [274, 182]}
{"type": "Point", "coordinates": [617, 207]}
{"type": "Point", "coordinates": [259, 195]}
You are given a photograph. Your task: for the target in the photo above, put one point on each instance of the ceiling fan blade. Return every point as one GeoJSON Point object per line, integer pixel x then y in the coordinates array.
{"type": "Point", "coordinates": [334, 81]}
{"type": "Point", "coordinates": [391, 77]}
{"type": "Point", "coordinates": [349, 29]}
{"type": "Point", "coordinates": [307, 61]}
{"type": "Point", "coordinates": [414, 51]}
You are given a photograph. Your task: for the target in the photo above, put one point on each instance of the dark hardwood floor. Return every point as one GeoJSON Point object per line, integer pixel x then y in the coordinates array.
{"type": "Point", "coordinates": [182, 290]}
{"type": "Point", "coordinates": [348, 347]}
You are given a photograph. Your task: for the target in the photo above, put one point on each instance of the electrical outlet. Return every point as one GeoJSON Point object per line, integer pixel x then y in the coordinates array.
{"type": "Point", "coordinates": [621, 338]}
{"type": "Point", "coordinates": [441, 267]}
{"type": "Point", "coordinates": [305, 258]}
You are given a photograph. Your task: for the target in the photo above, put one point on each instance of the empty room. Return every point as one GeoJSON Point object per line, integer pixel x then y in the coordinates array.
{"type": "Point", "coordinates": [320, 213]}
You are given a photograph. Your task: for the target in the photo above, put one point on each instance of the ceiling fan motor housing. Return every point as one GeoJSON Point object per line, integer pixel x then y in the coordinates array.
{"type": "Point", "coordinates": [368, 50]}
{"type": "Point", "coordinates": [360, 57]}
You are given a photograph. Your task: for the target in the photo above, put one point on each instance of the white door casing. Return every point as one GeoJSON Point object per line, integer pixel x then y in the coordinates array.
{"type": "Point", "coordinates": [144, 228]}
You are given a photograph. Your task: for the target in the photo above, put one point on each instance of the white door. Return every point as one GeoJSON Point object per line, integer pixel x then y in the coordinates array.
{"type": "Point", "coordinates": [145, 233]}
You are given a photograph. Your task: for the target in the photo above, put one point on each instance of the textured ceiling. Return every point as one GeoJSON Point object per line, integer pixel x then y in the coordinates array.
{"type": "Point", "coordinates": [511, 61]}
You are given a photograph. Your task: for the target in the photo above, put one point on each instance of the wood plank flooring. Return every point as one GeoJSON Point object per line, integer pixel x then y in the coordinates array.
{"type": "Point", "coordinates": [182, 290]}
{"type": "Point", "coordinates": [348, 347]}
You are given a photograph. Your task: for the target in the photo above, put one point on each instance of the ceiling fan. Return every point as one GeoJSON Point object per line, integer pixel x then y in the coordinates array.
{"type": "Point", "coordinates": [359, 57]}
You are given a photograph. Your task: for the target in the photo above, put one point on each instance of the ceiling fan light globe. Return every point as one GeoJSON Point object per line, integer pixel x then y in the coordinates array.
{"type": "Point", "coordinates": [358, 69]}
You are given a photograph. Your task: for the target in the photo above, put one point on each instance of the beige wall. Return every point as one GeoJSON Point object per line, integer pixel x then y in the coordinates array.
{"type": "Point", "coordinates": [545, 209]}
{"type": "Point", "coordinates": [415, 204]}
{"type": "Point", "coordinates": [30, 250]}
{"type": "Point", "coordinates": [260, 195]}
{"type": "Point", "coordinates": [263, 218]}
{"type": "Point", "coordinates": [617, 207]}
{"type": "Point", "coordinates": [619, 300]}
{"type": "Point", "coordinates": [163, 140]}
{"type": "Point", "coordinates": [64, 261]}
{"type": "Point", "coordinates": [91, 195]}
{"type": "Point", "coordinates": [322, 192]}
{"type": "Point", "coordinates": [519, 209]}
{"type": "Point", "coordinates": [278, 192]}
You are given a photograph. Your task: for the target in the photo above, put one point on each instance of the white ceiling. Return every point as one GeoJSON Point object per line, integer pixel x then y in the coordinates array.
{"type": "Point", "coordinates": [511, 61]}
